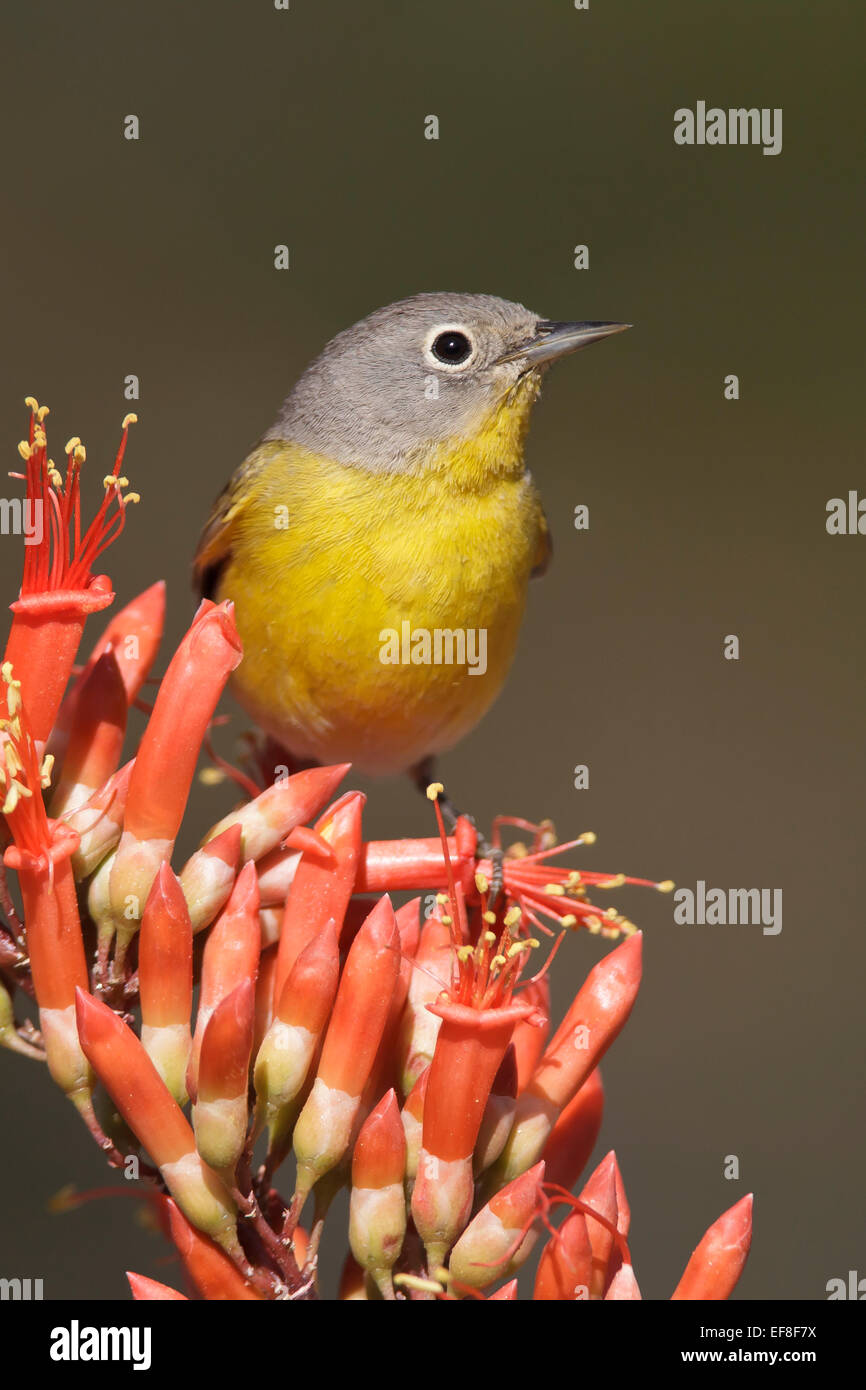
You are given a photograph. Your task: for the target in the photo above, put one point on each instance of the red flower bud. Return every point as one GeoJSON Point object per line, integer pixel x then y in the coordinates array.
{"type": "Point", "coordinates": [231, 956]}
{"type": "Point", "coordinates": [323, 1131]}
{"type": "Point", "coordinates": [146, 1290]}
{"type": "Point", "coordinates": [717, 1262]}
{"type": "Point", "coordinates": [323, 883]}
{"type": "Point", "coordinates": [574, 1135]}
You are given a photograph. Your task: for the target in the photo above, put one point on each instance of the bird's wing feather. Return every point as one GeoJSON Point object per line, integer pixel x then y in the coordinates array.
{"type": "Point", "coordinates": [215, 543]}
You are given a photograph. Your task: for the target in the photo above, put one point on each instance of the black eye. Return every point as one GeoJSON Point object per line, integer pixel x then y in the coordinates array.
{"type": "Point", "coordinates": [452, 347]}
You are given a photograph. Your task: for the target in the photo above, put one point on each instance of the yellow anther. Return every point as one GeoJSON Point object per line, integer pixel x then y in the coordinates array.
{"type": "Point", "coordinates": [516, 947]}
{"type": "Point", "coordinates": [489, 918]}
{"type": "Point", "coordinates": [588, 837]}
{"type": "Point", "coordinates": [24, 449]}
{"type": "Point", "coordinates": [555, 890]}
{"type": "Point", "coordinates": [128, 420]}
{"type": "Point", "coordinates": [489, 937]}
{"type": "Point", "coordinates": [569, 920]}
{"type": "Point", "coordinates": [17, 790]}
{"type": "Point", "coordinates": [574, 879]}
{"type": "Point", "coordinates": [497, 961]}
{"type": "Point", "coordinates": [481, 882]}
{"type": "Point", "coordinates": [79, 453]}
{"type": "Point", "coordinates": [446, 920]}
{"type": "Point", "coordinates": [131, 497]}
{"type": "Point", "coordinates": [512, 916]}
{"type": "Point", "coordinates": [434, 791]}
{"type": "Point", "coordinates": [211, 776]}
{"type": "Point", "coordinates": [42, 412]}
{"type": "Point", "coordinates": [666, 886]}
{"type": "Point", "coordinates": [12, 760]}
{"type": "Point", "coordinates": [54, 477]}
{"type": "Point", "coordinates": [47, 769]}
{"type": "Point", "coordinates": [71, 444]}
{"type": "Point", "coordinates": [594, 925]}
{"type": "Point", "coordinates": [442, 899]}
{"type": "Point", "coordinates": [31, 403]}
{"type": "Point", "coordinates": [465, 953]}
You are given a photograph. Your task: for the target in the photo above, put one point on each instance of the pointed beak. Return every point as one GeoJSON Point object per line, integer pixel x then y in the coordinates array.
{"type": "Point", "coordinates": [554, 340]}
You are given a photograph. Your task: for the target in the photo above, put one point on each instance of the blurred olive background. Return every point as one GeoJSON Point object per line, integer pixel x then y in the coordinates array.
{"type": "Point", "coordinates": [306, 127]}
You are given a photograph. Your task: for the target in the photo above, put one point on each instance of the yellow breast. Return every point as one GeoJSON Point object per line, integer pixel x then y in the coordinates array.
{"type": "Point", "coordinates": [358, 593]}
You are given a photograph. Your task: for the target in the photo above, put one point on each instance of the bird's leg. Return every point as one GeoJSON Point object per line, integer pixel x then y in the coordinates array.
{"type": "Point", "coordinates": [422, 775]}
{"type": "Point", "coordinates": [272, 757]}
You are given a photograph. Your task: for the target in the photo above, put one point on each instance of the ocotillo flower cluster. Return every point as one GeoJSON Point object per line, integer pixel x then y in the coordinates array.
{"type": "Point", "coordinates": [401, 1051]}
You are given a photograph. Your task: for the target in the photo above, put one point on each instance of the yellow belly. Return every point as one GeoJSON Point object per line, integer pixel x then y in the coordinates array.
{"type": "Point", "coordinates": [318, 594]}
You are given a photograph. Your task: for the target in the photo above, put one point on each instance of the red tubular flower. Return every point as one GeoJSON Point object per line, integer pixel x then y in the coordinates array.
{"type": "Point", "coordinates": [99, 822]}
{"type": "Point", "coordinates": [286, 1054]}
{"type": "Point", "coordinates": [478, 1018]}
{"type": "Point", "coordinates": [220, 1111]}
{"type": "Point", "coordinates": [95, 738]}
{"type": "Point", "coordinates": [324, 1128]}
{"type": "Point", "coordinates": [377, 1206]}
{"type": "Point", "coordinates": [529, 1038]}
{"type": "Point", "coordinates": [146, 1290]}
{"type": "Point", "coordinates": [599, 1011]}
{"type": "Point", "coordinates": [208, 876]}
{"type": "Point", "coordinates": [165, 981]}
{"type": "Point", "coordinates": [264, 1011]}
{"type": "Point", "coordinates": [415, 865]}
{"type": "Point", "coordinates": [41, 855]}
{"type": "Point", "coordinates": [499, 1111]}
{"type": "Point", "coordinates": [501, 1237]}
{"type": "Point", "coordinates": [214, 1275]}
{"type": "Point", "coordinates": [573, 1137]}
{"type": "Point", "coordinates": [600, 1193]}
{"type": "Point", "coordinates": [278, 810]}
{"type": "Point", "coordinates": [165, 765]}
{"type": "Point", "coordinates": [539, 889]}
{"type": "Point", "coordinates": [132, 637]}
{"type": "Point", "coordinates": [184, 706]}
{"type": "Point", "coordinates": [412, 1116]}
{"type": "Point", "coordinates": [565, 1267]}
{"type": "Point", "coordinates": [323, 883]}
{"type": "Point", "coordinates": [58, 588]}
{"type": "Point", "coordinates": [419, 1027]}
{"type": "Point", "coordinates": [276, 871]}
{"type": "Point", "coordinates": [717, 1262]}
{"type": "Point", "coordinates": [231, 956]}
{"type": "Point", "coordinates": [623, 1287]}
{"type": "Point", "coordinates": [385, 1072]}
{"type": "Point", "coordinates": [155, 1117]}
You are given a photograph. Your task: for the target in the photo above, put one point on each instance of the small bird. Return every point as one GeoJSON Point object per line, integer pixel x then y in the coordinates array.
{"type": "Point", "coordinates": [387, 520]}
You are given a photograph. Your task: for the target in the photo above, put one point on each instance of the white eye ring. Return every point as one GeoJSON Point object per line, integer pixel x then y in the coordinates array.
{"type": "Point", "coordinates": [454, 330]}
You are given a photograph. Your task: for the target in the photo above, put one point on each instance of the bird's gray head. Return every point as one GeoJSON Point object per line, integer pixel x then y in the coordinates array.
{"type": "Point", "coordinates": [419, 372]}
